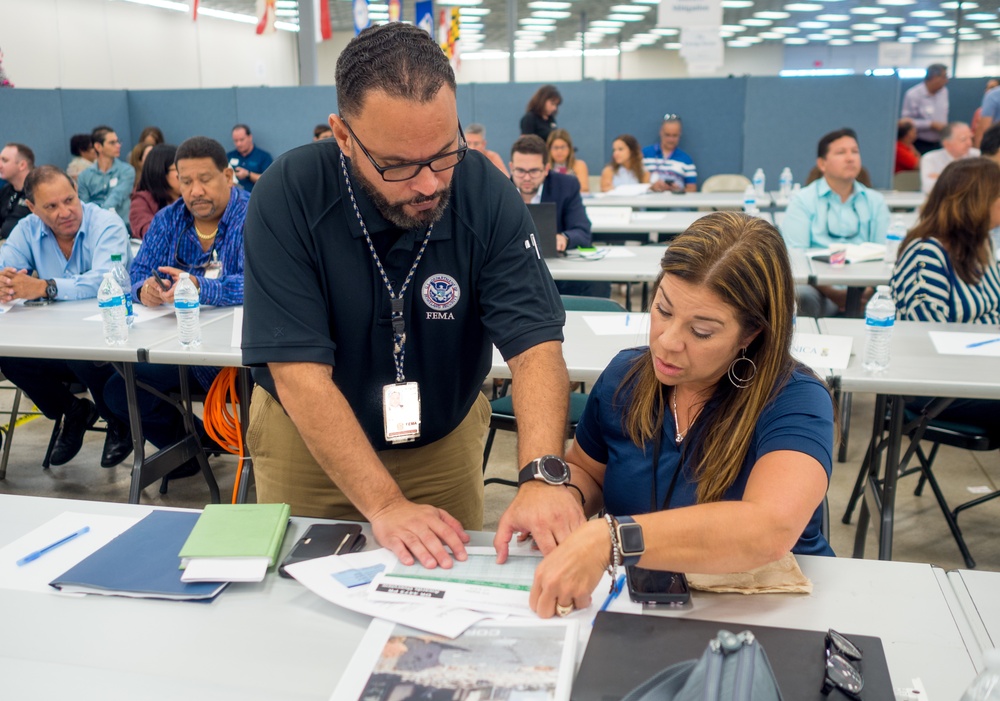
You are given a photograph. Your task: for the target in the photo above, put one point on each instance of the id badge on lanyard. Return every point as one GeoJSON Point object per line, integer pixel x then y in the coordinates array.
{"type": "Point", "coordinates": [401, 412]}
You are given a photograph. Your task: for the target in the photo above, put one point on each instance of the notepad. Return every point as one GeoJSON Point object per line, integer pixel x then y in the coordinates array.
{"type": "Point", "coordinates": [141, 563]}
{"type": "Point", "coordinates": [234, 542]}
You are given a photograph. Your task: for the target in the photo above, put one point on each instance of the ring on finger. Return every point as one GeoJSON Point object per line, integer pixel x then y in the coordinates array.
{"type": "Point", "coordinates": [563, 611]}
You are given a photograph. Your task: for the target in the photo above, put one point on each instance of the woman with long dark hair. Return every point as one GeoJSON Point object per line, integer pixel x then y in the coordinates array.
{"type": "Point", "coordinates": [625, 167]}
{"type": "Point", "coordinates": [712, 447]}
{"type": "Point", "coordinates": [157, 188]}
{"type": "Point", "coordinates": [540, 115]}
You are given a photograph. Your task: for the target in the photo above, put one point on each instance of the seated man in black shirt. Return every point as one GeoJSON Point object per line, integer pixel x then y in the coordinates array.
{"type": "Point", "coordinates": [16, 161]}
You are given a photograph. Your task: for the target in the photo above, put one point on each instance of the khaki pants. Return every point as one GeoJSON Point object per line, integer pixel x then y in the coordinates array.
{"type": "Point", "coordinates": [447, 473]}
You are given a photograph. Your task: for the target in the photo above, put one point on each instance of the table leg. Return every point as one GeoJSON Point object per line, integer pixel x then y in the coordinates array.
{"type": "Point", "coordinates": [246, 469]}
{"type": "Point", "coordinates": [127, 371]}
{"type": "Point", "coordinates": [845, 425]}
{"type": "Point", "coordinates": [868, 476]}
{"type": "Point", "coordinates": [892, 465]}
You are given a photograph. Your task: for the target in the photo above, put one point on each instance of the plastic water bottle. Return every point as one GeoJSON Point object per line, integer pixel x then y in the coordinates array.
{"type": "Point", "coordinates": [186, 308]}
{"type": "Point", "coordinates": [785, 183]}
{"type": "Point", "coordinates": [986, 687]}
{"type": "Point", "coordinates": [759, 182]}
{"type": "Point", "coordinates": [111, 301]}
{"type": "Point", "coordinates": [894, 237]}
{"type": "Point", "coordinates": [995, 237]}
{"type": "Point", "coordinates": [750, 201]}
{"type": "Point", "coordinates": [880, 315]}
{"type": "Point", "coordinates": [121, 276]}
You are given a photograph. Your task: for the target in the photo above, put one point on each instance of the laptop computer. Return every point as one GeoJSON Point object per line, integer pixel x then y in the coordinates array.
{"type": "Point", "coordinates": [543, 215]}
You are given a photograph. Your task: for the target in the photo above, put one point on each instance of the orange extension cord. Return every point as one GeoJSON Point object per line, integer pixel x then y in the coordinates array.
{"type": "Point", "coordinates": [222, 424]}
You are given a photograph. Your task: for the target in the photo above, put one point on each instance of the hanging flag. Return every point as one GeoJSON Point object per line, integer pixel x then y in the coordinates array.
{"type": "Point", "coordinates": [425, 15]}
{"type": "Point", "coordinates": [265, 16]}
{"type": "Point", "coordinates": [194, 10]}
{"type": "Point", "coordinates": [443, 33]}
{"type": "Point", "coordinates": [453, 35]}
{"type": "Point", "coordinates": [321, 11]}
{"type": "Point", "coordinates": [361, 18]}
{"type": "Point", "coordinates": [395, 10]}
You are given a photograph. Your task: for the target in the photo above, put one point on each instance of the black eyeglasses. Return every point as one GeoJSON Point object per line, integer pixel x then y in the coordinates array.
{"type": "Point", "coordinates": [408, 171]}
{"type": "Point", "coordinates": [841, 672]}
{"type": "Point", "coordinates": [192, 267]}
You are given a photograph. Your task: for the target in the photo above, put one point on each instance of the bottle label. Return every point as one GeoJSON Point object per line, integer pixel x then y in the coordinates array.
{"type": "Point", "coordinates": [185, 304]}
{"type": "Point", "coordinates": [112, 302]}
{"type": "Point", "coordinates": [881, 323]}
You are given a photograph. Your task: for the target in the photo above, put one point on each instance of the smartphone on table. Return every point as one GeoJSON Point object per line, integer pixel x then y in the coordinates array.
{"type": "Point", "coordinates": [656, 587]}
{"type": "Point", "coordinates": [322, 539]}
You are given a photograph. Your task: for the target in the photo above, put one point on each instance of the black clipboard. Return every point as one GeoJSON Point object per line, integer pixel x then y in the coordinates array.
{"type": "Point", "coordinates": [625, 650]}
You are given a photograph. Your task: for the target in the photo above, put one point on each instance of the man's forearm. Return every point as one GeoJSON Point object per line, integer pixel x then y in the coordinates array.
{"type": "Point", "coordinates": [315, 404]}
{"type": "Point", "coordinates": [541, 400]}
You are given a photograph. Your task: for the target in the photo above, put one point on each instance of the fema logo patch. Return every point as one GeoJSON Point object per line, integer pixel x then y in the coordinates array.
{"type": "Point", "coordinates": [440, 292]}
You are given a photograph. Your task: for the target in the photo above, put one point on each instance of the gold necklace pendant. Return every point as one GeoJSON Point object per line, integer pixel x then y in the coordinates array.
{"type": "Point", "coordinates": [205, 237]}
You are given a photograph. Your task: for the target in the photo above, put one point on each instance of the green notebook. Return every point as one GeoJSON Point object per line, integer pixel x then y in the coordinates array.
{"type": "Point", "coordinates": [239, 540]}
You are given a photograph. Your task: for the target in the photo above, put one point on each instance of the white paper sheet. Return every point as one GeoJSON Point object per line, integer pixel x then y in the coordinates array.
{"type": "Point", "coordinates": [858, 253]}
{"type": "Point", "coordinates": [630, 190]}
{"type": "Point", "coordinates": [620, 324]}
{"type": "Point", "coordinates": [957, 343]}
{"type": "Point", "coordinates": [36, 575]}
{"type": "Point", "coordinates": [618, 252]}
{"type": "Point", "coordinates": [237, 341]}
{"type": "Point", "coordinates": [317, 576]}
{"type": "Point", "coordinates": [225, 569]}
{"type": "Point", "coordinates": [820, 351]}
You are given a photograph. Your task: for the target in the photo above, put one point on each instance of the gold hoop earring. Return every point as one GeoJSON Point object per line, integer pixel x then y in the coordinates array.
{"type": "Point", "coordinates": [751, 372]}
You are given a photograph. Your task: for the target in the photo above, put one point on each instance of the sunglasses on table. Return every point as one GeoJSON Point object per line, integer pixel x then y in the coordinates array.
{"type": "Point", "coordinates": [841, 669]}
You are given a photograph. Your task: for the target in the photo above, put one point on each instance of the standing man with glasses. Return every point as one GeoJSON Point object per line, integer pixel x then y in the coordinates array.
{"type": "Point", "coordinates": [108, 181]}
{"type": "Point", "coordinates": [202, 234]}
{"type": "Point", "coordinates": [391, 259]}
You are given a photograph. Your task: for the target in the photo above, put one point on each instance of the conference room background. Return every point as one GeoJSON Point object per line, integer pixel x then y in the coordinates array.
{"type": "Point", "coordinates": [731, 125]}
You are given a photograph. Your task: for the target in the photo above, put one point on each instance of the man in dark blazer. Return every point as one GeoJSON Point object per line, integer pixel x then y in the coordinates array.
{"type": "Point", "coordinates": [532, 174]}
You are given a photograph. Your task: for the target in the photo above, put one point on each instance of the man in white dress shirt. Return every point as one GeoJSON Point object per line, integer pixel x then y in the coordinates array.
{"type": "Point", "coordinates": [956, 143]}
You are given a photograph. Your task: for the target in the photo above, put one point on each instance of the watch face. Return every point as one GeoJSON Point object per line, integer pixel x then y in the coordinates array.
{"type": "Point", "coordinates": [553, 469]}
{"type": "Point", "coordinates": [630, 535]}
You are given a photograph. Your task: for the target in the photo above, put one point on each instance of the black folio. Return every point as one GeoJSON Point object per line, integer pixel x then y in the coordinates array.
{"type": "Point", "coordinates": [627, 650]}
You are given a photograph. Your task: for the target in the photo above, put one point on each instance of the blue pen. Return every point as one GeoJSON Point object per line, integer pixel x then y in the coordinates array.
{"type": "Point", "coordinates": [31, 557]}
{"type": "Point", "coordinates": [983, 343]}
{"type": "Point", "coordinates": [626, 319]}
{"type": "Point", "coordinates": [619, 585]}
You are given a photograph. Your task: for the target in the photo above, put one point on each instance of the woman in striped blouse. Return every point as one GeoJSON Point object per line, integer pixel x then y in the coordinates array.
{"type": "Point", "coordinates": [947, 268]}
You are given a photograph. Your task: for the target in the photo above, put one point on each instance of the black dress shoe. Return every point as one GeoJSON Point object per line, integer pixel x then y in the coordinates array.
{"type": "Point", "coordinates": [117, 445]}
{"type": "Point", "coordinates": [81, 416]}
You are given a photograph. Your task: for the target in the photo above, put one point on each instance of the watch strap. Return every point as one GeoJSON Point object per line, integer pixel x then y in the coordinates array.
{"type": "Point", "coordinates": [51, 289]}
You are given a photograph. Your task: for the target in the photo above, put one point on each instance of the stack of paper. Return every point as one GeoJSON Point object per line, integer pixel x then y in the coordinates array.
{"type": "Point", "coordinates": [234, 542]}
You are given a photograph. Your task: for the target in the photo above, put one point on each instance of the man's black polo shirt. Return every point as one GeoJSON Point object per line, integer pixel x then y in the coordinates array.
{"type": "Point", "coordinates": [13, 208]}
{"type": "Point", "coordinates": [314, 294]}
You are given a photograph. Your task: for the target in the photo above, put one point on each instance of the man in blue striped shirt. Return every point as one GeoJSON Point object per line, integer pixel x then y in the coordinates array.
{"type": "Point", "coordinates": [201, 234]}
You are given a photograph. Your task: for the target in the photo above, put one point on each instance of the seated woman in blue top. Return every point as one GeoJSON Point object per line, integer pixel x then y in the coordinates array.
{"type": "Point", "coordinates": [947, 269]}
{"type": "Point", "coordinates": [833, 209]}
{"type": "Point", "coordinates": [713, 438]}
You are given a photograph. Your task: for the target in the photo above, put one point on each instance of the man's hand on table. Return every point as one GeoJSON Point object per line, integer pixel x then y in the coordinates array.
{"type": "Point", "coordinates": [17, 284]}
{"type": "Point", "coordinates": [420, 532]}
{"type": "Point", "coordinates": [547, 513]}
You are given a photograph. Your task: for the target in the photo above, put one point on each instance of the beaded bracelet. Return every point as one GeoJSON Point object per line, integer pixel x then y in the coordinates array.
{"type": "Point", "coordinates": [616, 553]}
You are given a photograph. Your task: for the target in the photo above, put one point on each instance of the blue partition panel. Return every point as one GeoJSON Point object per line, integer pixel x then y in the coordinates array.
{"type": "Point", "coordinates": [34, 118]}
{"type": "Point", "coordinates": [785, 118]}
{"type": "Point", "coordinates": [282, 118]}
{"type": "Point", "coordinates": [500, 107]}
{"type": "Point", "coordinates": [181, 114]}
{"type": "Point", "coordinates": [82, 110]}
{"type": "Point", "coordinates": [712, 111]}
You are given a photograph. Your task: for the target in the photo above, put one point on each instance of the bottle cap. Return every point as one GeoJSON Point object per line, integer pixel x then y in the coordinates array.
{"type": "Point", "coordinates": [116, 257]}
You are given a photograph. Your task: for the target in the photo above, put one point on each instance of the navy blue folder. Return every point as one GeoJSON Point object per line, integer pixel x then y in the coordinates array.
{"type": "Point", "coordinates": [142, 562]}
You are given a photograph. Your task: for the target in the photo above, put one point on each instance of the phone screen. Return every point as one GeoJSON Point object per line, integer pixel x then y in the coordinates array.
{"type": "Point", "coordinates": [656, 586]}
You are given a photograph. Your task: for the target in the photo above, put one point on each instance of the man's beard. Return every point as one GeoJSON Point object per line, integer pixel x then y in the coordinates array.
{"type": "Point", "coordinates": [395, 213]}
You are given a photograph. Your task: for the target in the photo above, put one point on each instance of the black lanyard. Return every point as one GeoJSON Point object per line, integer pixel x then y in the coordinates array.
{"type": "Point", "coordinates": [395, 300]}
{"type": "Point", "coordinates": [657, 446]}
